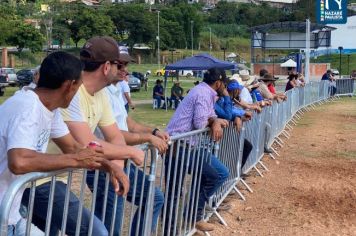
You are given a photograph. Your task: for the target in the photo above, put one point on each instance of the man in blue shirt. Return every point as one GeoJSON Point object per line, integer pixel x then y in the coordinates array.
{"type": "Point", "coordinates": [158, 93]}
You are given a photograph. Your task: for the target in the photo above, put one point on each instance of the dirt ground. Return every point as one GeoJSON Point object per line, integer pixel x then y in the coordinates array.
{"type": "Point", "coordinates": [311, 188]}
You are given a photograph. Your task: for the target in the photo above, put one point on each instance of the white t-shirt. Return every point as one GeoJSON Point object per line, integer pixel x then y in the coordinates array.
{"type": "Point", "coordinates": [25, 123]}
{"type": "Point", "coordinates": [246, 96]}
{"type": "Point", "coordinates": [124, 89]}
{"type": "Point", "coordinates": [118, 107]}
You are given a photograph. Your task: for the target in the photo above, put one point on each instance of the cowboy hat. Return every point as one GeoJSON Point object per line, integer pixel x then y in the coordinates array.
{"type": "Point", "coordinates": [268, 77]}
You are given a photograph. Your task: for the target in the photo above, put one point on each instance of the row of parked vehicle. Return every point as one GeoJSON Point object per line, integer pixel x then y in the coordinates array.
{"type": "Point", "coordinates": [8, 77]}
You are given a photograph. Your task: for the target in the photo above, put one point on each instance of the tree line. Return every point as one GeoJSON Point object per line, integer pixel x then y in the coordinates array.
{"type": "Point", "coordinates": [138, 23]}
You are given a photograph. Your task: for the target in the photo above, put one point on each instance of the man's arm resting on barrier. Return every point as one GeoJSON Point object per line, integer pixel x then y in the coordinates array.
{"type": "Point", "coordinates": [21, 160]}
{"type": "Point", "coordinates": [114, 147]}
{"type": "Point", "coordinates": [136, 127]}
{"type": "Point", "coordinates": [140, 138]}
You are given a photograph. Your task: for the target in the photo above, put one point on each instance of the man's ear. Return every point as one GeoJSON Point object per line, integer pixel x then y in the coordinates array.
{"type": "Point", "coordinates": [106, 68]}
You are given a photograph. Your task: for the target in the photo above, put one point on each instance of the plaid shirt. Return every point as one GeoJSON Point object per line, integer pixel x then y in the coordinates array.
{"type": "Point", "coordinates": [194, 111]}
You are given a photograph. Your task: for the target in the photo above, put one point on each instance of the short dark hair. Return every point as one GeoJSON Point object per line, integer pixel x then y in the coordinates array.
{"type": "Point", "coordinates": [58, 67]}
{"type": "Point", "coordinates": [263, 72]}
{"type": "Point", "coordinates": [214, 74]}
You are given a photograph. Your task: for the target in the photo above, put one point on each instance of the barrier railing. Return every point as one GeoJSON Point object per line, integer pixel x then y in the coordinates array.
{"type": "Point", "coordinates": [345, 87]}
{"type": "Point", "coordinates": [176, 176]}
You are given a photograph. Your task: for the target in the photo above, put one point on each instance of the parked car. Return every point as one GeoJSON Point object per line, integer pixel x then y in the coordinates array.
{"type": "Point", "coordinates": [140, 76]}
{"type": "Point", "coordinates": [10, 74]}
{"type": "Point", "coordinates": [160, 72]}
{"type": "Point", "coordinates": [3, 84]}
{"type": "Point", "coordinates": [25, 77]}
{"type": "Point", "coordinates": [187, 73]}
{"type": "Point", "coordinates": [134, 83]}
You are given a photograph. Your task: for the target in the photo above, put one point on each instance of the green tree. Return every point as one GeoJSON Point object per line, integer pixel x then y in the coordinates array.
{"type": "Point", "coordinates": [26, 36]}
{"type": "Point", "coordinates": [134, 24]}
{"type": "Point", "coordinates": [87, 23]}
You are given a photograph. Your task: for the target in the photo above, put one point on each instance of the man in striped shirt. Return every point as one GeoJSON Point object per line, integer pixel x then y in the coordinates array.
{"type": "Point", "coordinates": [196, 112]}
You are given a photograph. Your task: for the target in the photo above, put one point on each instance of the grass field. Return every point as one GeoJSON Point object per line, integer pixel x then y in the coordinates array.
{"type": "Point", "coordinates": [334, 60]}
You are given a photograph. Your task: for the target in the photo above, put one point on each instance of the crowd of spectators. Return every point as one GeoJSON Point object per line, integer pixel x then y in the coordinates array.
{"type": "Point", "coordinates": [49, 125]}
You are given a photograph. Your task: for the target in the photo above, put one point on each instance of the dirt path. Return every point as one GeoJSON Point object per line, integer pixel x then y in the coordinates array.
{"type": "Point", "coordinates": [311, 188]}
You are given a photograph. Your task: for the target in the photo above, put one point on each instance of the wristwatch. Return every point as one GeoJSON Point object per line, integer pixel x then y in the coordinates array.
{"type": "Point", "coordinates": [154, 131]}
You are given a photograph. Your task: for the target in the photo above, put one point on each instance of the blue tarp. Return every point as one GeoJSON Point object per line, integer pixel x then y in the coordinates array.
{"type": "Point", "coordinates": [200, 62]}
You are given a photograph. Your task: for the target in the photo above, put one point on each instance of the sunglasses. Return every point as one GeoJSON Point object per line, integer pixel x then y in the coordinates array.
{"type": "Point", "coordinates": [119, 65]}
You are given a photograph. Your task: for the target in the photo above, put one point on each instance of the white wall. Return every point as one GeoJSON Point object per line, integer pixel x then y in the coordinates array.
{"type": "Point", "coordinates": [345, 34]}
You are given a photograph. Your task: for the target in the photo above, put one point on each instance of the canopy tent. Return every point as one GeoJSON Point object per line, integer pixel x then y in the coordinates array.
{"type": "Point", "coordinates": [289, 63]}
{"type": "Point", "coordinates": [198, 62]}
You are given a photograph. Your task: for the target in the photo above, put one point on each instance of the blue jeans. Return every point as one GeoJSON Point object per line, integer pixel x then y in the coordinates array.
{"type": "Point", "coordinates": [175, 100]}
{"type": "Point", "coordinates": [41, 205]}
{"type": "Point", "coordinates": [141, 185]}
{"type": "Point", "coordinates": [213, 175]}
{"type": "Point", "coordinates": [159, 99]}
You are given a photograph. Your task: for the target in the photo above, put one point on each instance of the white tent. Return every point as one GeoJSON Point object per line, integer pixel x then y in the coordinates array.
{"type": "Point", "coordinates": [289, 63]}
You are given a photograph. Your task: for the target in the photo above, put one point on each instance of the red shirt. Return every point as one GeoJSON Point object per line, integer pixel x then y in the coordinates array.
{"type": "Point", "coordinates": [271, 88]}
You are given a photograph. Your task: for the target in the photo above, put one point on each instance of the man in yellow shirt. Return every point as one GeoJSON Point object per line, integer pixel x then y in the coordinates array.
{"type": "Point", "coordinates": [90, 108]}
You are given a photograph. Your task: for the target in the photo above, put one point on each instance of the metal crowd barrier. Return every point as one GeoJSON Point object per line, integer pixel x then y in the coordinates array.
{"type": "Point", "coordinates": [87, 199]}
{"type": "Point", "coordinates": [345, 87]}
{"type": "Point", "coordinates": [176, 175]}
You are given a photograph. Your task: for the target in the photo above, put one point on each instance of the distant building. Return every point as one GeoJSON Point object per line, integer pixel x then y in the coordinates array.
{"type": "Point", "coordinates": [274, 3]}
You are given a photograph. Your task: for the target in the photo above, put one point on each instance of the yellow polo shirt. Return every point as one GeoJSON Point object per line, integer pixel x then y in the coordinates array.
{"type": "Point", "coordinates": [95, 110]}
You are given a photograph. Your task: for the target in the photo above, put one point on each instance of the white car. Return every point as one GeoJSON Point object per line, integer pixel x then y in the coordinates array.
{"type": "Point", "coordinates": [10, 75]}
{"type": "Point", "coordinates": [187, 73]}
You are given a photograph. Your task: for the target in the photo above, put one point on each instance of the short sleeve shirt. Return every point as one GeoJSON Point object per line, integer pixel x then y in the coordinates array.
{"type": "Point", "coordinates": [28, 124]}
{"type": "Point", "coordinates": [93, 109]}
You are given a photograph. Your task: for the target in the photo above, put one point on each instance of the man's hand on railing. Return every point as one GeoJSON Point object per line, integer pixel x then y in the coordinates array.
{"type": "Point", "coordinates": [118, 177]}
{"type": "Point", "coordinates": [257, 108]}
{"type": "Point", "coordinates": [248, 116]}
{"type": "Point", "coordinates": [217, 128]}
{"type": "Point", "coordinates": [163, 135]}
{"type": "Point", "coordinates": [90, 158]}
{"type": "Point", "coordinates": [159, 143]}
{"type": "Point", "coordinates": [137, 156]}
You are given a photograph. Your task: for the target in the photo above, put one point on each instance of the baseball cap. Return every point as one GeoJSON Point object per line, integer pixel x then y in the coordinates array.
{"type": "Point", "coordinates": [234, 85]}
{"type": "Point", "coordinates": [124, 54]}
{"type": "Point", "coordinates": [100, 49]}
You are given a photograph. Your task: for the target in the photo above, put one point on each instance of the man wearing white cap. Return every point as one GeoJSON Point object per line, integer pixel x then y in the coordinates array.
{"type": "Point", "coordinates": [124, 84]}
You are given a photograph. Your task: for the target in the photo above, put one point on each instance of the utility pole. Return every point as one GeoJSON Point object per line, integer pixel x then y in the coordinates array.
{"type": "Point", "coordinates": [191, 32]}
{"type": "Point", "coordinates": [340, 49]}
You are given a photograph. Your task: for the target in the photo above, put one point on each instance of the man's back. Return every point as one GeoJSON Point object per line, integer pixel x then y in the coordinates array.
{"type": "Point", "coordinates": [194, 111]}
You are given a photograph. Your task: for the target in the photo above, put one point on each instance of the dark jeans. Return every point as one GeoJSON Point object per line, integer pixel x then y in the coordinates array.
{"type": "Point", "coordinates": [159, 99]}
{"type": "Point", "coordinates": [41, 205]}
{"type": "Point", "coordinates": [332, 90]}
{"type": "Point", "coordinates": [175, 100]}
{"type": "Point", "coordinates": [213, 175]}
{"type": "Point", "coordinates": [127, 107]}
{"type": "Point", "coordinates": [246, 152]}
{"type": "Point", "coordinates": [142, 187]}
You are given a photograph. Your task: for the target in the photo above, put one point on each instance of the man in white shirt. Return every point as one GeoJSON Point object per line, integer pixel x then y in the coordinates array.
{"type": "Point", "coordinates": [31, 119]}
{"type": "Point", "coordinates": [134, 133]}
